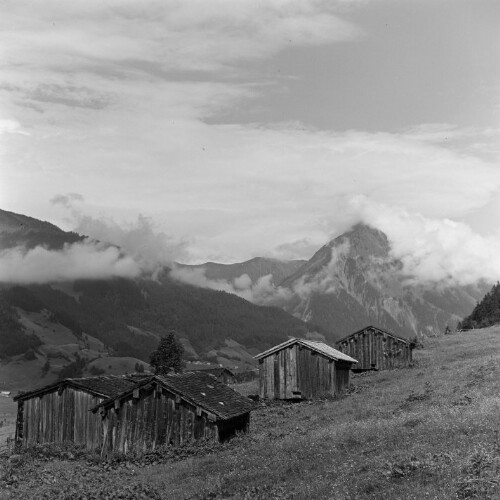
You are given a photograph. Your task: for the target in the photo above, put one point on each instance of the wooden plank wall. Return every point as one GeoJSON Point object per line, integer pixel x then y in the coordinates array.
{"type": "Point", "coordinates": [278, 374]}
{"type": "Point", "coordinates": [153, 420]}
{"type": "Point", "coordinates": [375, 350]}
{"type": "Point", "coordinates": [317, 375]}
{"type": "Point", "coordinates": [61, 417]}
{"type": "Point", "coordinates": [342, 377]}
{"type": "Point", "coordinates": [297, 372]}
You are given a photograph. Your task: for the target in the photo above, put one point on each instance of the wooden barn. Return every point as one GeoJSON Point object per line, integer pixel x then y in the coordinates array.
{"type": "Point", "coordinates": [172, 410]}
{"type": "Point", "coordinates": [303, 369]}
{"type": "Point", "coordinates": [60, 413]}
{"type": "Point", "coordinates": [376, 349]}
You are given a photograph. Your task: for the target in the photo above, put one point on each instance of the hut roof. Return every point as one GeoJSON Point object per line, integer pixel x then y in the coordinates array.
{"type": "Point", "coordinates": [319, 347]}
{"type": "Point", "coordinates": [213, 370]}
{"type": "Point", "coordinates": [103, 386]}
{"type": "Point", "coordinates": [199, 389]}
{"type": "Point", "coordinates": [379, 330]}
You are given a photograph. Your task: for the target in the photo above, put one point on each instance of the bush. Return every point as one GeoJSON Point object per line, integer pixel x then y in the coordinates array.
{"type": "Point", "coordinates": [30, 355]}
{"type": "Point", "coordinates": [73, 370]}
{"type": "Point", "coordinates": [96, 371]}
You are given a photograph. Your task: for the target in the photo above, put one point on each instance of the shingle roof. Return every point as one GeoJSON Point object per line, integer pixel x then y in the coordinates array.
{"type": "Point", "coordinates": [103, 386]}
{"type": "Point", "coordinates": [371, 327]}
{"type": "Point", "coordinates": [217, 370]}
{"type": "Point", "coordinates": [319, 347]}
{"type": "Point", "coordinates": [200, 389]}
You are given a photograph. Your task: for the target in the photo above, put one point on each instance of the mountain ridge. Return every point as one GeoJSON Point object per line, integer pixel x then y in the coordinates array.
{"type": "Point", "coordinates": [354, 280]}
{"type": "Point", "coordinates": [254, 268]}
{"type": "Point", "coordinates": [124, 316]}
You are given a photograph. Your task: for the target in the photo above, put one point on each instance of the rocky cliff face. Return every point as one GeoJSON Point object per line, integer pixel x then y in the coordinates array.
{"type": "Point", "coordinates": [353, 281]}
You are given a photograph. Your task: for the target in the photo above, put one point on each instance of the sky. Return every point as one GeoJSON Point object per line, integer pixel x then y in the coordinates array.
{"type": "Point", "coordinates": [220, 130]}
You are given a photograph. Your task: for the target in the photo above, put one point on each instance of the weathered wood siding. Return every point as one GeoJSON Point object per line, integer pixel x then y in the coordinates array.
{"type": "Point", "coordinates": [158, 418]}
{"type": "Point", "coordinates": [376, 350]}
{"type": "Point", "coordinates": [58, 417]}
{"type": "Point", "coordinates": [296, 372]}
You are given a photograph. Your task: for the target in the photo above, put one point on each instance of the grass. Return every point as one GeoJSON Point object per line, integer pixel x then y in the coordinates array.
{"type": "Point", "coordinates": [8, 412]}
{"type": "Point", "coordinates": [431, 431]}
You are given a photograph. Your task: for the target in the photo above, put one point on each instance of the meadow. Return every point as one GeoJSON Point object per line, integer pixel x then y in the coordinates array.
{"type": "Point", "coordinates": [430, 431]}
{"type": "Point", "coordinates": [8, 411]}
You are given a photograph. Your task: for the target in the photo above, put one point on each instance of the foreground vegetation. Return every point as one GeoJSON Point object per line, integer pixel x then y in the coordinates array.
{"type": "Point", "coordinates": [431, 431]}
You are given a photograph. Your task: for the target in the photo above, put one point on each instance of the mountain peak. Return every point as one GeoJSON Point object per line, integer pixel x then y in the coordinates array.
{"type": "Point", "coordinates": [363, 241]}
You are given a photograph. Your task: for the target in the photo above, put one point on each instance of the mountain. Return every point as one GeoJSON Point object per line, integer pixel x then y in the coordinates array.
{"type": "Point", "coordinates": [101, 324]}
{"type": "Point", "coordinates": [21, 230]}
{"type": "Point", "coordinates": [90, 326]}
{"type": "Point", "coordinates": [255, 268]}
{"type": "Point", "coordinates": [486, 313]}
{"type": "Point", "coordinates": [353, 281]}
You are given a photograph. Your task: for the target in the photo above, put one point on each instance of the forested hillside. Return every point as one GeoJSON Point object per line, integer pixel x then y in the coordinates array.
{"type": "Point", "coordinates": [106, 310]}
{"type": "Point", "coordinates": [13, 339]}
{"type": "Point", "coordinates": [486, 313]}
{"type": "Point", "coordinates": [128, 315]}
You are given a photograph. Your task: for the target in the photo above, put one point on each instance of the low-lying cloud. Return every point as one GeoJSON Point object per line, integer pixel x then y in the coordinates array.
{"type": "Point", "coordinates": [82, 260]}
{"type": "Point", "coordinates": [433, 250]}
{"type": "Point", "coordinates": [139, 239]}
{"type": "Point", "coordinates": [327, 280]}
{"type": "Point", "coordinates": [151, 249]}
{"type": "Point", "coordinates": [261, 292]}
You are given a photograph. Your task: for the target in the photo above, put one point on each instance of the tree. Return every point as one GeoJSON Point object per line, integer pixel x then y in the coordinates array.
{"type": "Point", "coordinates": [168, 355]}
{"type": "Point", "coordinates": [46, 368]}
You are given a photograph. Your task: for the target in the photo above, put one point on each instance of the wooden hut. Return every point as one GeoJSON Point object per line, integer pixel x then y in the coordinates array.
{"type": "Point", "coordinates": [60, 413]}
{"type": "Point", "coordinates": [172, 410]}
{"type": "Point", "coordinates": [376, 349]}
{"type": "Point", "coordinates": [303, 369]}
{"type": "Point", "coordinates": [222, 374]}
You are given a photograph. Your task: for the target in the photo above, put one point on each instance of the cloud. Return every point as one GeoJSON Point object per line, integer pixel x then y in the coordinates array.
{"type": "Point", "coordinates": [124, 102]}
{"type": "Point", "coordinates": [188, 36]}
{"type": "Point", "coordinates": [433, 250]}
{"type": "Point", "coordinates": [69, 95]}
{"type": "Point", "coordinates": [109, 250]}
{"type": "Point", "coordinates": [9, 126]}
{"type": "Point", "coordinates": [86, 260]}
{"type": "Point", "coordinates": [327, 280]}
{"type": "Point", "coordinates": [262, 292]}
{"type": "Point", "coordinates": [302, 248]}
{"type": "Point", "coordinates": [67, 200]}
{"type": "Point", "coordinates": [151, 249]}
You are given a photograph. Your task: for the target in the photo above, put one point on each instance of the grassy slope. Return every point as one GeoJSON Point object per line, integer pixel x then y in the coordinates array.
{"type": "Point", "coordinates": [426, 432]}
{"type": "Point", "coordinates": [8, 411]}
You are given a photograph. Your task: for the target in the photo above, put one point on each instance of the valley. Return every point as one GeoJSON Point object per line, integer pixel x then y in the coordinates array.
{"type": "Point", "coordinates": [222, 313]}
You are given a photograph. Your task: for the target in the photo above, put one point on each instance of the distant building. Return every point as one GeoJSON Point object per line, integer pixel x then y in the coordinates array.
{"type": "Point", "coordinates": [60, 413]}
{"type": "Point", "coordinates": [245, 374]}
{"type": "Point", "coordinates": [303, 369]}
{"type": "Point", "coordinates": [172, 410]}
{"type": "Point", "coordinates": [377, 349]}
{"type": "Point", "coordinates": [221, 373]}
